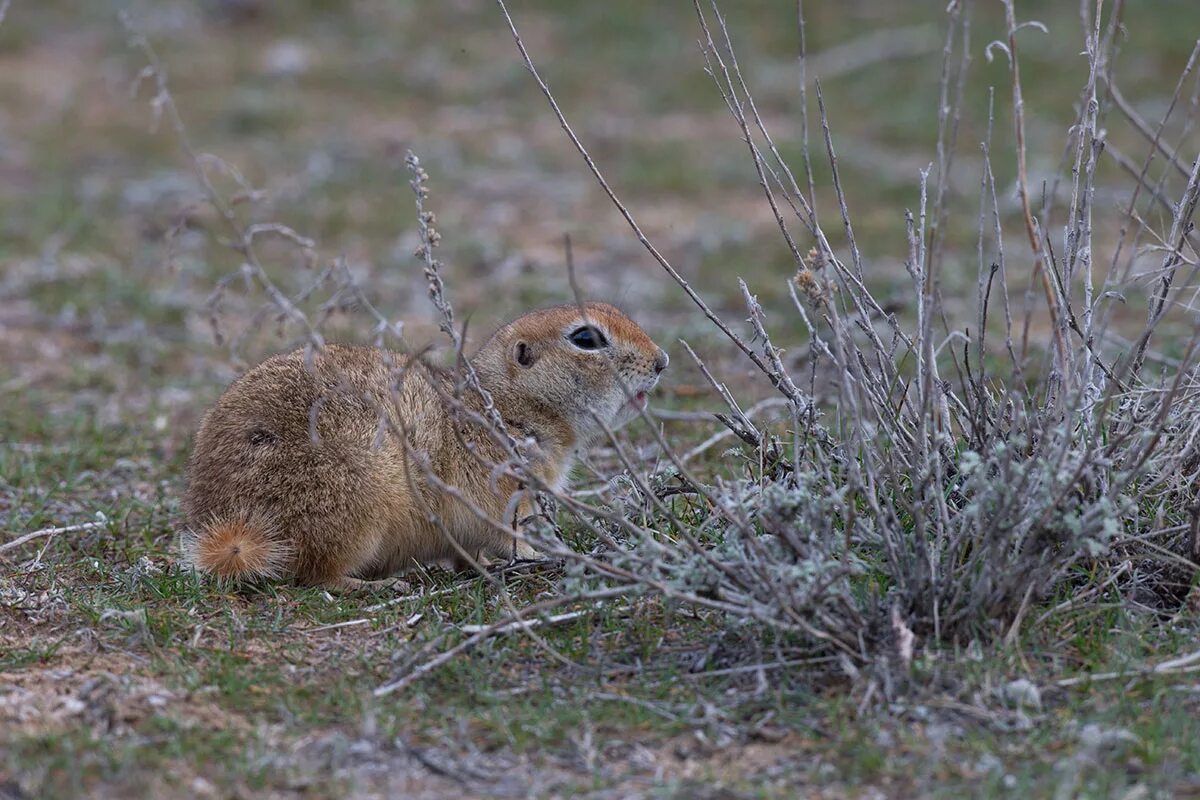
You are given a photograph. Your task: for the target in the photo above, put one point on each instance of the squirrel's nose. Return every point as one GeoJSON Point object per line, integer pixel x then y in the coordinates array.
{"type": "Point", "coordinates": [661, 362]}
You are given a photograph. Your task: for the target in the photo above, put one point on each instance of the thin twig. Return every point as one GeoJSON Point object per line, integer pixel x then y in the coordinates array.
{"type": "Point", "coordinates": [29, 537]}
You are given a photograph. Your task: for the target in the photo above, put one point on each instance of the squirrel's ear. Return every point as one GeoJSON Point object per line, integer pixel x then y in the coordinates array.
{"type": "Point", "coordinates": [523, 353]}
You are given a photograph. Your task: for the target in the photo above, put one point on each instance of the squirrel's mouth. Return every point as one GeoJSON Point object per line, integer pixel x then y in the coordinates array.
{"type": "Point", "coordinates": [639, 400]}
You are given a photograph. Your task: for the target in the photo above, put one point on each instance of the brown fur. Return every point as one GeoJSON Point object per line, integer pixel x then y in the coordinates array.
{"type": "Point", "coordinates": [297, 470]}
{"type": "Point", "coordinates": [235, 548]}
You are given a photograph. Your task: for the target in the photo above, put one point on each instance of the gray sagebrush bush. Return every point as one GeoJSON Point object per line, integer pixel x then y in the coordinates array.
{"type": "Point", "coordinates": [938, 479]}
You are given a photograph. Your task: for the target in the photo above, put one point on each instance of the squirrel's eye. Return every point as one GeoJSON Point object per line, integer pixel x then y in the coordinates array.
{"type": "Point", "coordinates": [588, 338]}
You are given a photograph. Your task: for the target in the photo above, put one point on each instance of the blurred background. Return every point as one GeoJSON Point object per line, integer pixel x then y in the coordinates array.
{"type": "Point", "coordinates": [110, 253]}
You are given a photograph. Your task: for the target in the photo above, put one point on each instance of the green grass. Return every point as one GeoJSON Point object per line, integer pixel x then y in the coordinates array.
{"type": "Point", "coordinates": [249, 657]}
{"type": "Point", "coordinates": [103, 381]}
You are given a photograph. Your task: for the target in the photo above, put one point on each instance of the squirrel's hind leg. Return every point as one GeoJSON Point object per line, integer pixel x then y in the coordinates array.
{"type": "Point", "coordinates": [347, 585]}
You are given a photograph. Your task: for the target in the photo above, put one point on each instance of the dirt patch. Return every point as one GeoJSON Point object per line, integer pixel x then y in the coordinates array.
{"type": "Point", "coordinates": [105, 692]}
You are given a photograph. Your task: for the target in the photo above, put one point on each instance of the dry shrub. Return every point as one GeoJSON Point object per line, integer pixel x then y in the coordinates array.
{"type": "Point", "coordinates": [964, 474]}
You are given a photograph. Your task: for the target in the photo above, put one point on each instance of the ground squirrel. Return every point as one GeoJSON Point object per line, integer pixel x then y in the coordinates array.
{"type": "Point", "coordinates": [298, 471]}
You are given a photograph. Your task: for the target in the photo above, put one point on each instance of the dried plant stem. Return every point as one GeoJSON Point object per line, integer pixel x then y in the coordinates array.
{"type": "Point", "coordinates": [242, 237]}
{"type": "Point", "coordinates": [508, 623]}
{"type": "Point", "coordinates": [1174, 666]}
{"type": "Point", "coordinates": [1040, 274]}
{"type": "Point", "coordinates": [48, 532]}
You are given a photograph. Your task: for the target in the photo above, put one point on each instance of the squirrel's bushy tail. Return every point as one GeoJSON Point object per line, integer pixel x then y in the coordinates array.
{"type": "Point", "coordinates": [242, 548]}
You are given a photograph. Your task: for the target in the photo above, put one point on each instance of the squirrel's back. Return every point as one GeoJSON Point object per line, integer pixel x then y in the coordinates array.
{"type": "Point", "coordinates": [350, 463]}
{"type": "Point", "coordinates": [294, 449]}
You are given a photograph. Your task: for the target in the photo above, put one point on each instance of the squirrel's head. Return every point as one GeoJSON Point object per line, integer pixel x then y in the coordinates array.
{"type": "Point", "coordinates": [590, 366]}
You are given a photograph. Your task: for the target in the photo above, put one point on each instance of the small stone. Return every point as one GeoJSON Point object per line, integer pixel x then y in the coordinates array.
{"type": "Point", "coordinates": [1022, 693]}
{"type": "Point", "coordinates": [286, 58]}
{"type": "Point", "coordinates": [1096, 736]}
